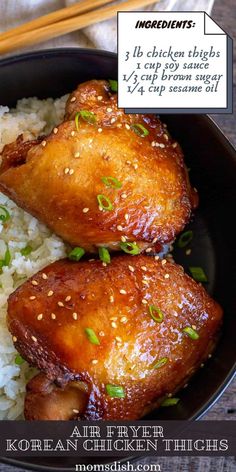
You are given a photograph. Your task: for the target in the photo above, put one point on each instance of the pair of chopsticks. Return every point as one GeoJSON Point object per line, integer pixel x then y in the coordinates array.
{"type": "Point", "coordinates": [66, 20]}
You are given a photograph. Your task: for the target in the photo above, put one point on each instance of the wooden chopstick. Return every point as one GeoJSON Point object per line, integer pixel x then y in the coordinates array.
{"type": "Point", "coordinates": [78, 8]}
{"type": "Point", "coordinates": [60, 28]}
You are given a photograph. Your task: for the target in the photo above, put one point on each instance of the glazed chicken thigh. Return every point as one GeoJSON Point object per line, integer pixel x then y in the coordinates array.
{"type": "Point", "coordinates": [102, 176]}
{"type": "Point", "coordinates": [111, 341]}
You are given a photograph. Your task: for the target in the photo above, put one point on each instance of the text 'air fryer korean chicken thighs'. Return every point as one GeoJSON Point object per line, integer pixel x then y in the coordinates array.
{"type": "Point", "coordinates": [111, 341]}
{"type": "Point", "coordinates": [102, 175]}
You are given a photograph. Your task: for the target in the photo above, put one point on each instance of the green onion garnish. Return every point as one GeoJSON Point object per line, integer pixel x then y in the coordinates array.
{"type": "Point", "coordinates": [152, 309]}
{"type": "Point", "coordinates": [88, 116]}
{"type": "Point", "coordinates": [104, 202]}
{"type": "Point", "coordinates": [170, 401]}
{"type": "Point", "coordinates": [185, 239]}
{"type": "Point", "coordinates": [26, 250]}
{"type": "Point", "coordinates": [111, 182]}
{"type": "Point", "coordinates": [7, 259]}
{"type": "Point", "coordinates": [4, 214]}
{"type": "Point", "coordinates": [130, 248]}
{"type": "Point", "coordinates": [113, 85]}
{"type": "Point", "coordinates": [160, 363]}
{"type": "Point", "coordinates": [140, 130]}
{"type": "Point", "coordinates": [104, 255]}
{"type": "Point", "coordinates": [191, 332]}
{"type": "Point", "coordinates": [76, 254]}
{"type": "Point", "coordinates": [198, 274]}
{"type": "Point", "coordinates": [19, 360]}
{"type": "Point", "coordinates": [115, 391]}
{"type": "Point", "coordinates": [92, 337]}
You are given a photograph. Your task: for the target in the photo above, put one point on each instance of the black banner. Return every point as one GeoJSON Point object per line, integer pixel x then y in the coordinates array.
{"type": "Point", "coordinates": [120, 439]}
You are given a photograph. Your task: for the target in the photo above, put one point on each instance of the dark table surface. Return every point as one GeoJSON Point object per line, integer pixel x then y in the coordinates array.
{"type": "Point", "coordinates": [224, 12]}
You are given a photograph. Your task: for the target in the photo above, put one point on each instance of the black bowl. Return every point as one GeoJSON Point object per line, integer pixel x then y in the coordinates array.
{"type": "Point", "coordinates": [212, 161]}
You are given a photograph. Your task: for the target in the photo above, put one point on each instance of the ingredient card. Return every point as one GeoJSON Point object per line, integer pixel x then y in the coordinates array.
{"type": "Point", "coordinates": [178, 62]}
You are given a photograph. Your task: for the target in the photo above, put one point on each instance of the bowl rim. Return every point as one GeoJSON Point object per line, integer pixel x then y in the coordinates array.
{"type": "Point", "coordinates": [61, 51]}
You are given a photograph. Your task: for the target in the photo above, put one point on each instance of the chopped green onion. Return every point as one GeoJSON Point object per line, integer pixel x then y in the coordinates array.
{"type": "Point", "coordinates": [198, 274]}
{"type": "Point", "coordinates": [26, 250]}
{"type": "Point", "coordinates": [111, 182]}
{"type": "Point", "coordinates": [104, 202]}
{"type": "Point", "coordinates": [104, 255]}
{"type": "Point", "coordinates": [113, 85]}
{"type": "Point", "coordinates": [153, 308]}
{"type": "Point", "coordinates": [7, 259]}
{"type": "Point", "coordinates": [19, 360]}
{"type": "Point", "coordinates": [191, 332]}
{"type": "Point", "coordinates": [92, 337]}
{"type": "Point", "coordinates": [130, 248]}
{"type": "Point", "coordinates": [170, 401]}
{"type": "Point", "coordinates": [140, 130]}
{"type": "Point", "coordinates": [76, 253]}
{"type": "Point", "coordinates": [88, 116]}
{"type": "Point", "coordinates": [4, 214]}
{"type": "Point", "coordinates": [115, 391]}
{"type": "Point", "coordinates": [160, 363]}
{"type": "Point", "coordinates": [185, 239]}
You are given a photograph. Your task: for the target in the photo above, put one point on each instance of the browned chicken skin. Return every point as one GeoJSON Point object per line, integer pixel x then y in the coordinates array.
{"type": "Point", "coordinates": [143, 358]}
{"type": "Point", "coordinates": [59, 181]}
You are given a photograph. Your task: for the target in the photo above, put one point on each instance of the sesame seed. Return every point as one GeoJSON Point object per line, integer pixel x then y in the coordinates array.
{"type": "Point", "coordinates": [66, 170]}
{"type": "Point", "coordinates": [44, 276]}
{"type": "Point", "coordinates": [119, 125]}
{"type": "Point", "coordinates": [111, 298]}
{"type": "Point", "coordinates": [163, 262]}
{"type": "Point", "coordinates": [161, 145]}
{"type": "Point", "coordinates": [153, 143]}
{"type": "Point", "coordinates": [194, 326]}
{"type": "Point", "coordinates": [188, 252]}
{"type": "Point", "coordinates": [195, 190]}
{"type": "Point", "coordinates": [166, 137]}
{"type": "Point", "coordinates": [118, 338]}
{"type": "Point", "coordinates": [174, 145]}
{"type": "Point", "coordinates": [94, 361]}
{"type": "Point", "coordinates": [202, 365]}
{"type": "Point", "coordinates": [34, 339]}
{"type": "Point", "coordinates": [55, 130]}
{"type": "Point", "coordinates": [32, 298]}
{"type": "Point", "coordinates": [167, 276]}
{"type": "Point", "coordinates": [75, 411]}
{"type": "Point", "coordinates": [129, 163]}
{"type": "Point", "coordinates": [14, 339]}
{"type": "Point", "coordinates": [144, 268]}
{"type": "Point", "coordinates": [144, 282]}
{"type": "Point", "coordinates": [75, 316]}
{"type": "Point", "coordinates": [113, 324]}
{"type": "Point", "coordinates": [53, 316]}
{"type": "Point", "coordinates": [209, 356]}
{"type": "Point", "coordinates": [144, 302]}
{"type": "Point", "coordinates": [34, 282]}
{"type": "Point", "coordinates": [71, 171]}
{"type": "Point", "coordinates": [68, 298]}
{"type": "Point", "coordinates": [135, 166]}
{"type": "Point", "coordinates": [44, 143]}
{"type": "Point", "coordinates": [104, 264]}
{"type": "Point", "coordinates": [119, 345]}
{"type": "Point", "coordinates": [113, 318]}
{"type": "Point", "coordinates": [123, 292]}
{"type": "Point", "coordinates": [126, 217]}
{"type": "Point", "coordinates": [50, 293]}
{"type": "Point", "coordinates": [119, 228]}
{"type": "Point", "coordinates": [149, 249]}
{"type": "Point", "coordinates": [101, 333]}
{"type": "Point", "coordinates": [109, 110]}
{"type": "Point", "coordinates": [124, 195]}
{"type": "Point", "coordinates": [123, 319]}
{"type": "Point", "coordinates": [131, 268]}
{"type": "Point", "coordinates": [73, 99]}
{"type": "Point", "coordinates": [154, 240]}
{"type": "Point", "coordinates": [156, 258]}
{"type": "Point", "coordinates": [91, 260]}
{"type": "Point", "coordinates": [77, 154]}
{"type": "Point", "coordinates": [40, 317]}
{"type": "Point", "coordinates": [127, 126]}
{"type": "Point", "coordinates": [123, 239]}
{"type": "Point", "coordinates": [85, 210]}
{"type": "Point", "coordinates": [72, 133]}
{"type": "Point", "coordinates": [99, 97]}
{"type": "Point", "coordinates": [113, 120]}
{"type": "Point", "coordinates": [60, 303]}
{"type": "Point", "coordinates": [99, 130]}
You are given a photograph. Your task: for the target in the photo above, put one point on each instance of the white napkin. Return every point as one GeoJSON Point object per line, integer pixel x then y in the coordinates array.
{"type": "Point", "coordinates": [100, 35]}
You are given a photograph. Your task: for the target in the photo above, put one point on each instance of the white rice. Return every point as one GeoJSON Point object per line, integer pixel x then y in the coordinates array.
{"type": "Point", "coordinates": [32, 117]}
